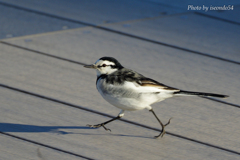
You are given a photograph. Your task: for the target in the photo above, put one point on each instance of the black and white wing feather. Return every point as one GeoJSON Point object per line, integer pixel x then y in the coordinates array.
{"type": "Point", "coordinates": [132, 79]}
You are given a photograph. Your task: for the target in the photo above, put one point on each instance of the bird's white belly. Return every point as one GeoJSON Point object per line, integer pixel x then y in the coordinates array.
{"type": "Point", "coordinates": [129, 104]}
{"type": "Point", "coordinates": [128, 98]}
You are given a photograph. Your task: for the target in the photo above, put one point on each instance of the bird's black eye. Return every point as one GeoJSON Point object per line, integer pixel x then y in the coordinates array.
{"type": "Point", "coordinates": [104, 65]}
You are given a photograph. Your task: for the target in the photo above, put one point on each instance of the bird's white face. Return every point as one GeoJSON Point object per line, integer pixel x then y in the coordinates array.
{"type": "Point", "coordinates": [103, 67]}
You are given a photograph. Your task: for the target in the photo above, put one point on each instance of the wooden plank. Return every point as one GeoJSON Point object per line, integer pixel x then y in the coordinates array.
{"type": "Point", "coordinates": [64, 127]}
{"type": "Point", "coordinates": [190, 31]}
{"type": "Point", "coordinates": [28, 23]}
{"type": "Point", "coordinates": [12, 148]}
{"type": "Point", "coordinates": [97, 12]}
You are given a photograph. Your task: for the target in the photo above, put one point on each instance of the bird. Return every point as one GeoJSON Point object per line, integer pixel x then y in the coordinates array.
{"type": "Point", "coordinates": [129, 90]}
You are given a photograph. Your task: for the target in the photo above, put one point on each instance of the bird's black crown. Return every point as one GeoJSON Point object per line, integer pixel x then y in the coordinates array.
{"type": "Point", "coordinates": [111, 59]}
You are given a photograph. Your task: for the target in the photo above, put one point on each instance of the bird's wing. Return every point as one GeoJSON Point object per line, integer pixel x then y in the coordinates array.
{"type": "Point", "coordinates": [133, 80]}
{"type": "Point", "coordinates": [147, 82]}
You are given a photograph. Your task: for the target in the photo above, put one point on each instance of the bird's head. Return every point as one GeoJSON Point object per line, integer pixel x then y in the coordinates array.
{"type": "Point", "coordinates": [105, 65]}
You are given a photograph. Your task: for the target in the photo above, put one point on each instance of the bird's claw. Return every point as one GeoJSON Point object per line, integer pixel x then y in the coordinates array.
{"type": "Point", "coordinates": [99, 125]}
{"type": "Point", "coordinates": [107, 129]}
{"type": "Point", "coordinates": [163, 130]}
{"type": "Point", "coordinates": [168, 122]}
{"type": "Point", "coordinates": [94, 126]}
{"type": "Point", "coordinates": [161, 134]}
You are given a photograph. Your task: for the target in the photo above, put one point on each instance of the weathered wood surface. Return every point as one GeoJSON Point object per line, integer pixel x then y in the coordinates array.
{"type": "Point", "coordinates": [48, 99]}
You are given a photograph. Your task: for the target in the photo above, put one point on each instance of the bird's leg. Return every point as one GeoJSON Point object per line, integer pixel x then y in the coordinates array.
{"type": "Point", "coordinates": [120, 115]}
{"type": "Point", "coordinates": [163, 125]}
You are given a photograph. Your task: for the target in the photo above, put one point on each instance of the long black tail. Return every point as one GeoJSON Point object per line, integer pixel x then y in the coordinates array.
{"type": "Point", "coordinates": [201, 94]}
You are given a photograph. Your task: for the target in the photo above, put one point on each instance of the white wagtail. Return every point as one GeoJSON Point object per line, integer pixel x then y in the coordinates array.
{"type": "Point", "coordinates": [130, 91]}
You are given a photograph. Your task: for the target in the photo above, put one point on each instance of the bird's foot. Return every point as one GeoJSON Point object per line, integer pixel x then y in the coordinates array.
{"type": "Point", "coordinates": [163, 129]}
{"type": "Point", "coordinates": [161, 134]}
{"type": "Point", "coordinates": [99, 125]}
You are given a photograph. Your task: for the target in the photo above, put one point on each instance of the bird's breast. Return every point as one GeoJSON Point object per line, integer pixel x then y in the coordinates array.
{"type": "Point", "coordinates": [119, 90]}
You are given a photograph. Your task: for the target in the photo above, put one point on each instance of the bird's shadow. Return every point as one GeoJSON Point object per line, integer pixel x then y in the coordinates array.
{"type": "Point", "coordinates": [24, 128]}
{"type": "Point", "coordinates": [12, 127]}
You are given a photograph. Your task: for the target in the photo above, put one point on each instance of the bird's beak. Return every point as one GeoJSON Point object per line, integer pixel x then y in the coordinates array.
{"type": "Point", "coordinates": [90, 66]}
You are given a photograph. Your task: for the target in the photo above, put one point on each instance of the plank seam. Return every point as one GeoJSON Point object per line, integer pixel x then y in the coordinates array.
{"type": "Point", "coordinates": [217, 18]}
{"type": "Point", "coordinates": [42, 53]}
{"type": "Point", "coordinates": [44, 145]}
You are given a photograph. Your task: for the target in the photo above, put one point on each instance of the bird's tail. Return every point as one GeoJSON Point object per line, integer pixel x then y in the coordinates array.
{"type": "Point", "coordinates": [201, 94]}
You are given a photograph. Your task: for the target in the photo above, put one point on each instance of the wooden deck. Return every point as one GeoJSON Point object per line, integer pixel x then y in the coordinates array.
{"type": "Point", "coordinates": [47, 97]}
